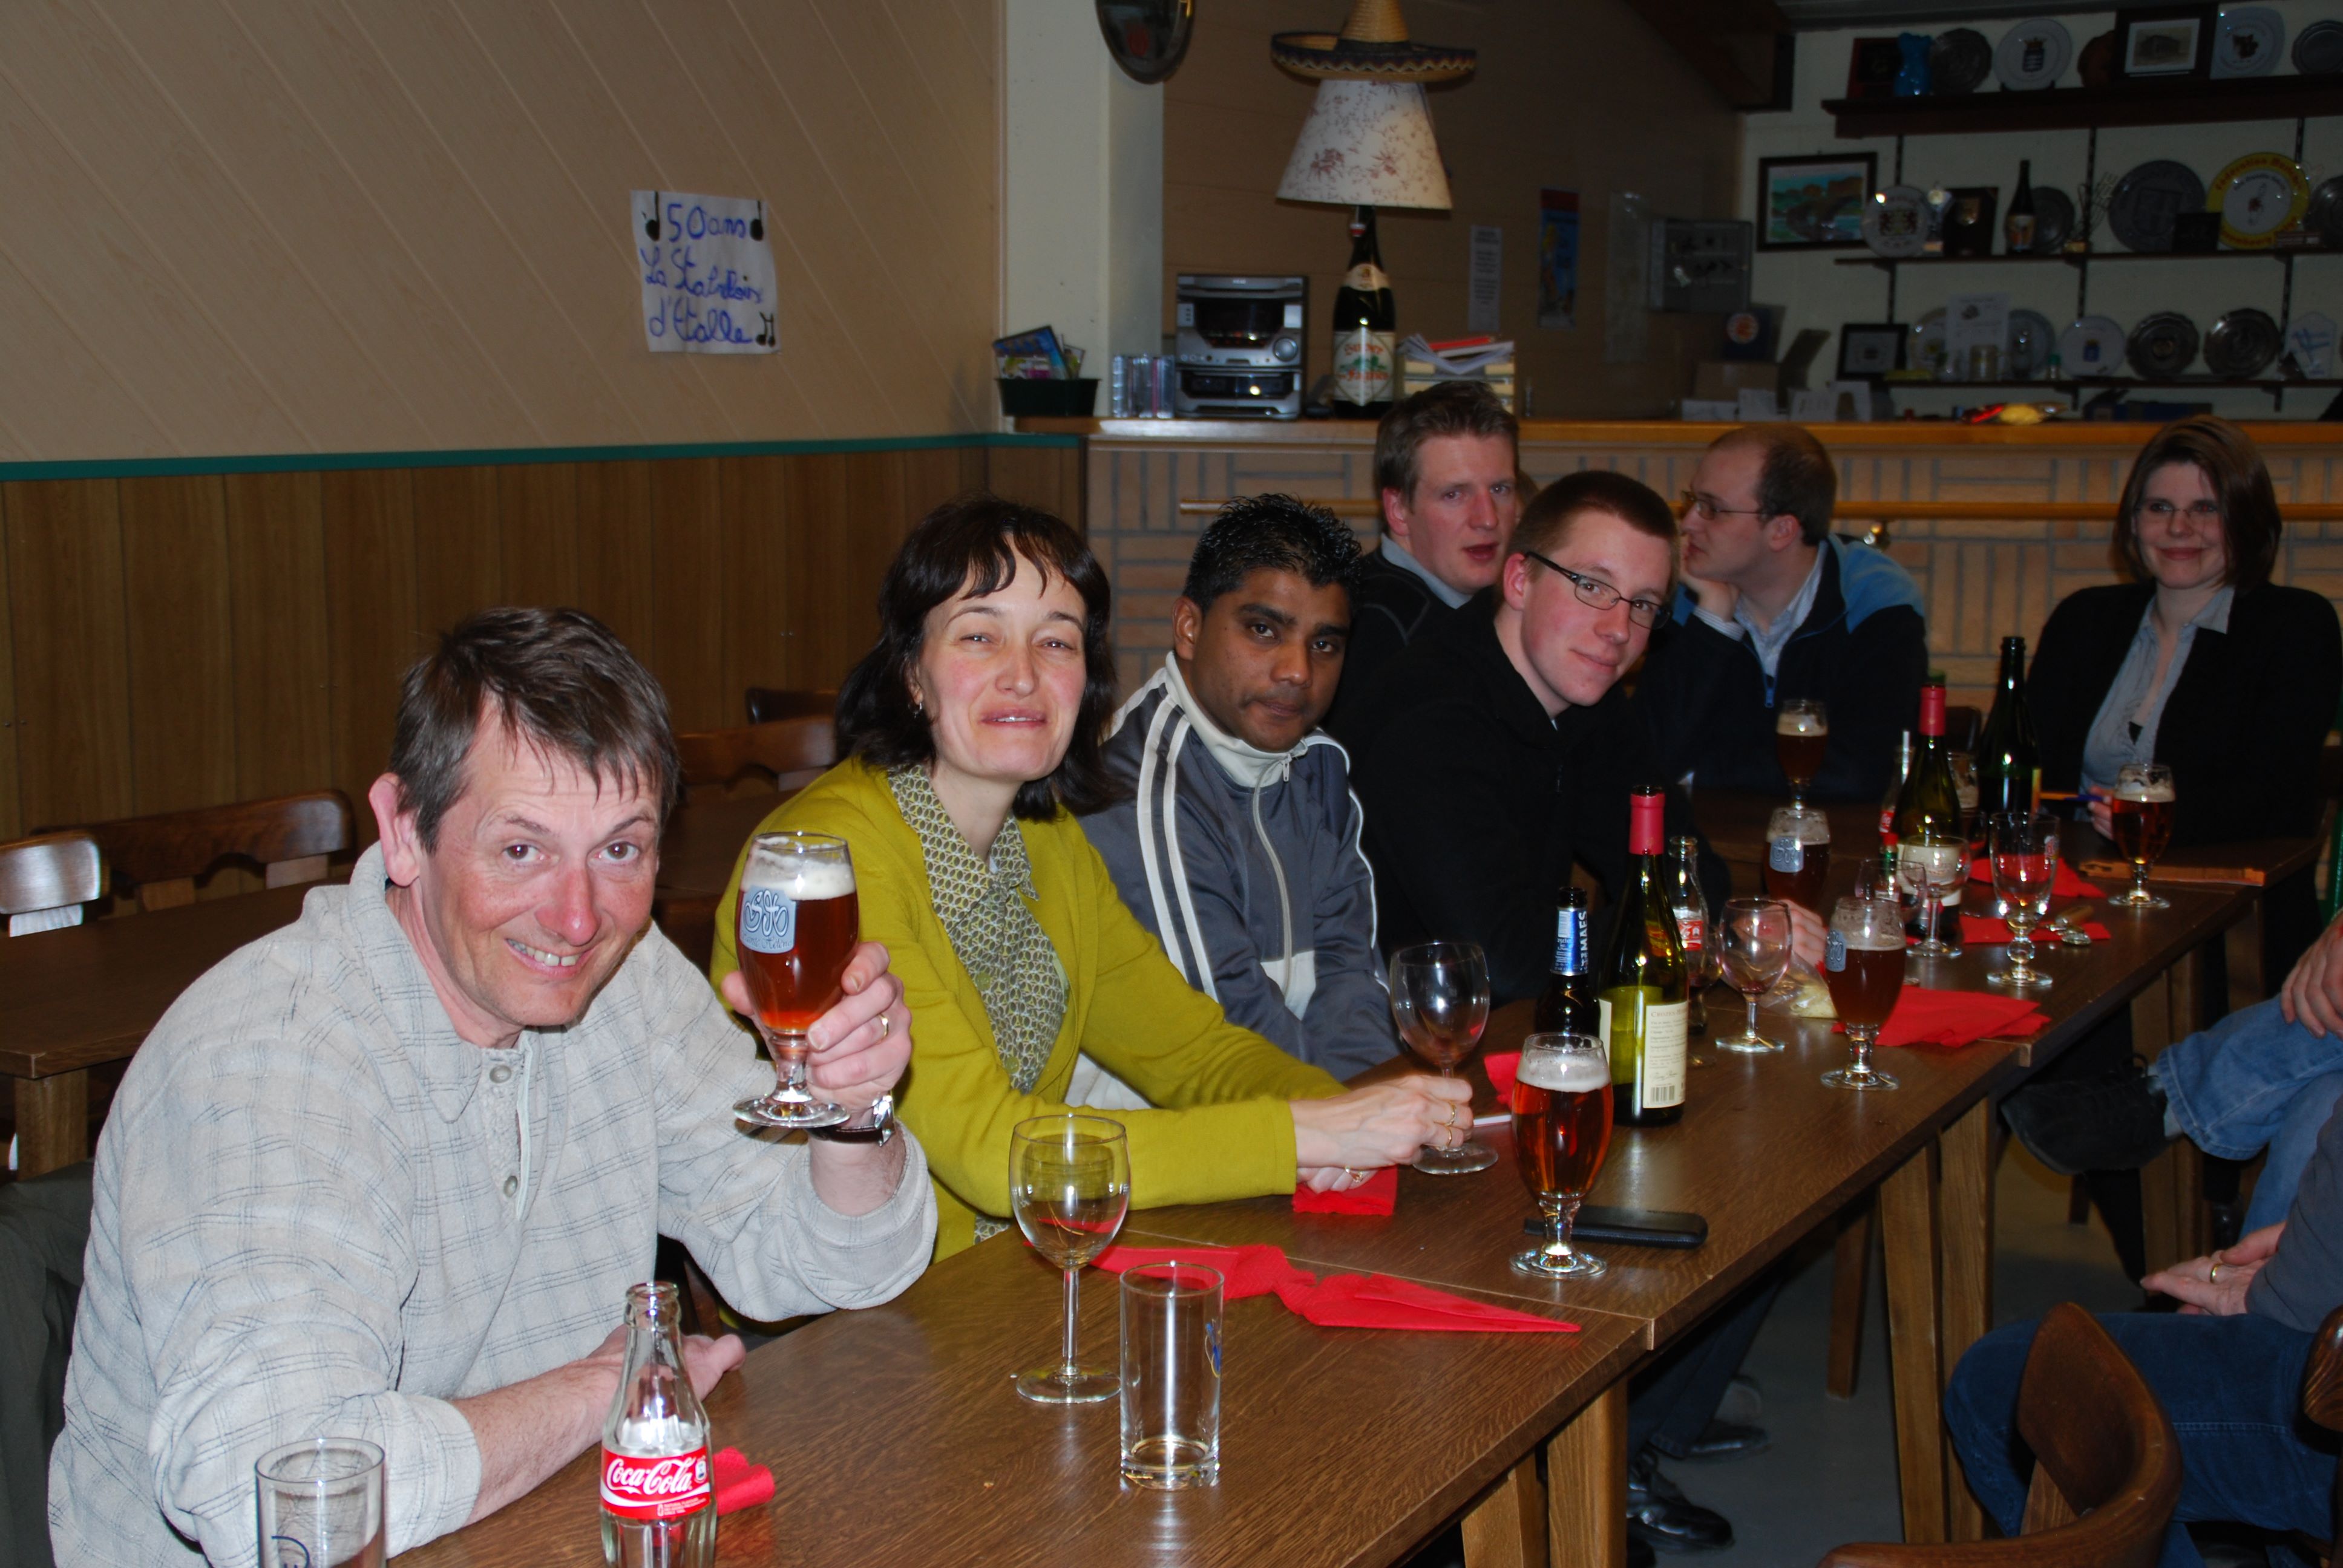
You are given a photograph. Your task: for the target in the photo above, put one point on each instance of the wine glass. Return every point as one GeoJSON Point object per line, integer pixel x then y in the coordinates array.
{"type": "Point", "coordinates": [1440, 999]}
{"type": "Point", "coordinates": [1801, 740]}
{"type": "Point", "coordinates": [1070, 1185]}
{"type": "Point", "coordinates": [2024, 850]}
{"type": "Point", "coordinates": [1756, 949]}
{"type": "Point", "coordinates": [796, 924]}
{"type": "Point", "coordinates": [2139, 820]}
{"type": "Point", "coordinates": [1561, 1128]}
{"type": "Point", "coordinates": [1932, 864]}
{"type": "Point", "coordinates": [1864, 967]}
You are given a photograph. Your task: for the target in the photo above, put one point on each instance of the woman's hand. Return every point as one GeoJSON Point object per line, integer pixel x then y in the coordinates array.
{"type": "Point", "coordinates": [1383, 1124]}
{"type": "Point", "coordinates": [1808, 936]}
{"type": "Point", "coordinates": [859, 1048]}
{"type": "Point", "coordinates": [2215, 1285]}
{"type": "Point", "coordinates": [2101, 817]}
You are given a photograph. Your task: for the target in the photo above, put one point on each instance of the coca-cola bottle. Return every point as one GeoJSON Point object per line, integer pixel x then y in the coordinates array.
{"type": "Point", "coordinates": [658, 1504]}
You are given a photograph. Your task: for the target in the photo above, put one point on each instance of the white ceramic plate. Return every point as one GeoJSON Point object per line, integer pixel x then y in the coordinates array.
{"type": "Point", "coordinates": [2091, 346]}
{"type": "Point", "coordinates": [2034, 53]}
{"type": "Point", "coordinates": [2248, 42]}
{"type": "Point", "coordinates": [1895, 221]}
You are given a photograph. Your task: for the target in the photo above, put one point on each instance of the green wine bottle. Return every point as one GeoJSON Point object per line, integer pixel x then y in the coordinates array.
{"type": "Point", "coordinates": [1644, 1005]}
{"type": "Point", "coordinates": [2009, 762]}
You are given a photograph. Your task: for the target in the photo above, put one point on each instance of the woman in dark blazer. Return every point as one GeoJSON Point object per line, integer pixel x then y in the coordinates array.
{"type": "Point", "coordinates": [2199, 662]}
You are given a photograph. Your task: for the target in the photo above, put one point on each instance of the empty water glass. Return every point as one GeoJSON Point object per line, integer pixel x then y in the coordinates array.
{"type": "Point", "coordinates": [321, 1504]}
{"type": "Point", "coordinates": [1171, 1375]}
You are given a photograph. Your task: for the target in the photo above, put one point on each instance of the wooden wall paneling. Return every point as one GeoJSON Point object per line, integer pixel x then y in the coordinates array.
{"type": "Point", "coordinates": [459, 564]}
{"type": "Point", "coordinates": [1049, 477]}
{"type": "Point", "coordinates": [372, 633]}
{"type": "Point", "coordinates": [538, 503]}
{"type": "Point", "coordinates": [180, 654]}
{"type": "Point", "coordinates": [617, 562]}
{"type": "Point", "coordinates": [282, 667]}
{"type": "Point", "coordinates": [72, 681]}
{"type": "Point", "coordinates": [12, 815]}
{"type": "Point", "coordinates": [688, 594]}
{"type": "Point", "coordinates": [763, 558]}
{"type": "Point", "coordinates": [851, 508]}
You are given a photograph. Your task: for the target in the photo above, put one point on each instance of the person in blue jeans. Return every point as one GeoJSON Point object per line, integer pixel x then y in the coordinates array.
{"type": "Point", "coordinates": [2267, 1077]}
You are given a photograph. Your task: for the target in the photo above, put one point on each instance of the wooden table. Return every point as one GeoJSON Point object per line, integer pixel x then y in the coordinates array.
{"type": "Point", "coordinates": [895, 1437]}
{"type": "Point", "coordinates": [75, 999]}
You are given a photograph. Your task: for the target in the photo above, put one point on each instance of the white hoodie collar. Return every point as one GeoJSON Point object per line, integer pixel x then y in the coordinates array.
{"type": "Point", "coordinates": [1248, 765]}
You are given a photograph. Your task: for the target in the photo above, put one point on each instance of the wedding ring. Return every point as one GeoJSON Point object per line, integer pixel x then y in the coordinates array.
{"type": "Point", "coordinates": [886, 1025]}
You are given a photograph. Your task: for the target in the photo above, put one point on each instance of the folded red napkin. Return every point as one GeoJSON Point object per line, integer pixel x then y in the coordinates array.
{"type": "Point", "coordinates": [2064, 885]}
{"type": "Point", "coordinates": [1985, 931]}
{"type": "Point", "coordinates": [1379, 1302]}
{"type": "Point", "coordinates": [1378, 1195]}
{"type": "Point", "coordinates": [1501, 1066]}
{"type": "Point", "coordinates": [1249, 1270]}
{"type": "Point", "coordinates": [1338, 1301]}
{"type": "Point", "coordinates": [1924, 1017]}
{"type": "Point", "coordinates": [739, 1483]}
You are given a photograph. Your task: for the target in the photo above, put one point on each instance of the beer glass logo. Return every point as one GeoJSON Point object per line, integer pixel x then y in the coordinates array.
{"type": "Point", "coordinates": [1787, 855]}
{"type": "Point", "coordinates": [1834, 952]}
{"type": "Point", "coordinates": [768, 920]}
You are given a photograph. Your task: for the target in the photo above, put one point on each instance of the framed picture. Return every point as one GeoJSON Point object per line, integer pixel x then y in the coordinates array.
{"type": "Point", "coordinates": [1869, 350]}
{"type": "Point", "coordinates": [1813, 203]}
{"type": "Point", "coordinates": [1872, 68]}
{"type": "Point", "coordinates": [2169, 41]}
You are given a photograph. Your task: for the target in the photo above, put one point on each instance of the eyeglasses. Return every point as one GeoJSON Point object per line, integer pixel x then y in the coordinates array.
{"type": "Point", "coordinates": [2199, 514]}
{"type": "Point", "coordinates": [1706, 508]}
{"type": "Point", "coordinates": [1596, 594]}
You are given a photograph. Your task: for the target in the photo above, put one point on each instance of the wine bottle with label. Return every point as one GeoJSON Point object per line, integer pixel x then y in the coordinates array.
{"type": "Point", "coordinates": [2009, 762]}
{"type": "Point", "coordinates": [2017, 221]}
{"type": "Point", "coordinates": [1930, 805]}
{"type": "Point", "coordinates": [1688, 901]}
{"type": "Point", "coordinates": [1568, 1005]}
{"type": "Point", "coordinates": [1366, 342]}
{"type": "Point", "coordinates": [1644, 1006]}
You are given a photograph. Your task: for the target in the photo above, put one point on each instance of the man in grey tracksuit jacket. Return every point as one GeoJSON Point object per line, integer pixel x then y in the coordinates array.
{"type": "Point", "coordinates": [1246, 864]}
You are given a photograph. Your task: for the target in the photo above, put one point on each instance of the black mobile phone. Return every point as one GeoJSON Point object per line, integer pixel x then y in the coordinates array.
{"type": "Point", "coordinates": [1632, 1227]}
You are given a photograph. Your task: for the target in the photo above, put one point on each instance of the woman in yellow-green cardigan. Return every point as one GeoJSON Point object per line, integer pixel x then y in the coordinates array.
{"type": "Point", "coordinates": [973, 729]}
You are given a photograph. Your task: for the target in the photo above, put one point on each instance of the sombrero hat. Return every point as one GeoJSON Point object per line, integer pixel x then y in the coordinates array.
{"type": "Point", "coordinates": [1371, 47]}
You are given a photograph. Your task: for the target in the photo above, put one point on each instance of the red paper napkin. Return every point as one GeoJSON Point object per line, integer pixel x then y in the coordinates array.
{"type": "Point", "coordinates": [1501, 1066]}
{"type": "Point", "coordinates": [2064, 885]}
{"type": "Point", "coordinates": [1379, 1302]}
{"type": "Point", "coordinates": [1378, 1195]}
{"type": "Point", "coordinates": [1248, 1271]}
{"type": "Point", "coordinates": [739, 1483]}
{"type": "Point", "coordinates": [1985, 931]}
{"type": "Point", "coordinates": [1923, 1017]}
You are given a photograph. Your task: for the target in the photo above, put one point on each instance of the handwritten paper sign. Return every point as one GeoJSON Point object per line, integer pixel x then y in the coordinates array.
{"type": "Point", "coordinates": [708, 273]}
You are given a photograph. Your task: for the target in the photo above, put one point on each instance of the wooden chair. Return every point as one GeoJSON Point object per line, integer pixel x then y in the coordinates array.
{"type": "Point", "coordinates": [45, 881]}
{"type": "Point", "coordinates": [795, 752]}
{"type": "Point", "coordinates": [289, 837]}
{"type": "Point", "coordinates": [768, 703]}
{"type": "Point", "coordinates": [2322, 1392]}
{"type": "Point", "coordinates": [2106, 1469]}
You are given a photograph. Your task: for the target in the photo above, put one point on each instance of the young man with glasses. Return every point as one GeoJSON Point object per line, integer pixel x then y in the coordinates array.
{"type": "Point", "coordinates": [1772, 608]}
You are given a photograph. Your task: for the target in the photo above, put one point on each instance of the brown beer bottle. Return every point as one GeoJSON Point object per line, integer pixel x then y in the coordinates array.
{"type": "Point", "coordinates": [1568, 1005]}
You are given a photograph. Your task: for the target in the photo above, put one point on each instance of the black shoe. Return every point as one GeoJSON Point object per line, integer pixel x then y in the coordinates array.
{"type": "Point", "coordinates": [2114, 1122]}
{"type": "Point", "coordinates": [1640, 1554]}
{"type": "Point", "coordinates": [1662, 1517]}
{"type": "Point", "coordinates": [1722, 1439]}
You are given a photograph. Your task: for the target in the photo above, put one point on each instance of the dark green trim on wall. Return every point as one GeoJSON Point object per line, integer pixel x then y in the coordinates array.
{"type": "Point", "coordinates": [321, 462]}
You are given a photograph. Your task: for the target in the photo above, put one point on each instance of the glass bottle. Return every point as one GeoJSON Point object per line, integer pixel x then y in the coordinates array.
{"type": "Point", "coordinates": [1366, 342]}
{"type": "Point", "coordinates": [1567, 1006]}
{"type": "Point", "coordinates": [1644, 1005]}
{"type": "Point", "coordinates": [2009, 761]}
{"type": "Point", "coordinates": [659, 1503]}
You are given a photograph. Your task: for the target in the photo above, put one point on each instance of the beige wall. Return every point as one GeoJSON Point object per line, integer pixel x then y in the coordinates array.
{"type": "Point", "coordinates": [288, 225]}
{"type": "Point", "coordinates": [1582, 96]}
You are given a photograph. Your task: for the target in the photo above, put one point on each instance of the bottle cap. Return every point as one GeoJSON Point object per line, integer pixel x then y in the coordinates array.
{"type": "Point", "coordinates": [1932, 710]}
{"type": "Point", "coordinates": [1646, 820]}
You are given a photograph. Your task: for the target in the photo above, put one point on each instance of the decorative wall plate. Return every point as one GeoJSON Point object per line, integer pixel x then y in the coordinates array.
{"type": "Point", "coordinates": [2034, 53]}
{"type": "Point", "coordinates": [2248, 42]}
{"type": "Point", "coordinates": [1959, 61]}
{"type": "Point", "coordinates": [1895, 221]}
{"type": "Point", "coordinates": [2324, 215]}
{"type": "Point", "coordinates": [2165, 344]}
{"type": "Point", "coordinates": [2093, 345]}
{"type": "Point", "coordinates": [2241, 344]}
{"type": "Point", "coordinates": [2140, 212]}
{"type": "Point", "coordinates": [2256, 195]}
{"type": "Point", "coordinates": [2032, 339]}
{"type": "Point", "coordinates": [2319, 49]}
{"type": "Point", "coordinates": [2053, 220]}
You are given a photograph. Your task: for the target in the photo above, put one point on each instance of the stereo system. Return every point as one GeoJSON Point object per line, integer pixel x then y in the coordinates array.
{"type": "Point", "coordinates": [1240, 346]}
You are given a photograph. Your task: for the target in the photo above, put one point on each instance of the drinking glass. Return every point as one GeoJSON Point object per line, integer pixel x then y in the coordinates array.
{"type": "Point", "coordinates": [1755, 950]}
{"type": "Point", "coordinates": [321, 1503]}
{"type": "Point", "coordinates": [1801, 740]}
{"type": "Point", "coordinates": [796, 925]}
{"type": "Point", "coordinates": [1561, 1128]}
{"type": "Point", "coordinates": [1171, 1375]}
{"type": "Point", "coordinates": [2024, 856]}
{"type": "Point", "coordinates": [1440, 999]}
{"type": "Point", "coordinates": [2139, 820]}
{"type": "Point", "coordinates": [1070, 1185]}
{"type": "Point", "coordinates": [1932, 865]}
{"type": "Point", "coordinates": [1797, 855]}
{"type": "Point", "coordinates": [1864, 967]}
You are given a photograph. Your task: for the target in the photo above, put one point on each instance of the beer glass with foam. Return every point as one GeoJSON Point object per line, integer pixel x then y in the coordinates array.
{"type": "Point", "coordinates": [1863, 964]}
{"type": "Point", "coordinates": [2139, 820]}
{"type": "Point", "coordinates": [1797, 855]}
{"type": "Point", "coordinates": [1561, 1128]}
{"type": "Point", "coordinates": [797, 925]}
{"type": "Point", "coordinates": [1801, 740]}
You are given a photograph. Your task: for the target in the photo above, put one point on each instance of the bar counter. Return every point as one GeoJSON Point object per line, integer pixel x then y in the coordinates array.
{"type": "Point", "coordinates": [1997, 522]}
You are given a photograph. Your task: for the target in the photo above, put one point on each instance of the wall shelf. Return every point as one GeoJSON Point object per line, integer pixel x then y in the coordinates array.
{"type": "Point", "coordinates": [2091, 108]}
{"type": "Point", "coordinates": [2081, 258]}
{"type": "Point", "coordinates": [2074, 387]}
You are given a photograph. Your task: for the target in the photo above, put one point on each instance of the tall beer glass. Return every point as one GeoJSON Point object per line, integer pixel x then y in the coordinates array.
{"type": "Point", "coordinates": [2139, 820]}
{"type": "Point", "coordinates": [798, 922]}
{"type": "Point", "coordinates": [1801, 741]}
{"type": "Point", "coordinates": [1561, 1128]}
{"type": "Point", "coordinates": [1864, 967]}
{"type": "Point", "coordinates": [2024, 850]}
{"type": "Point", "coordinates": [1797, 855]}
